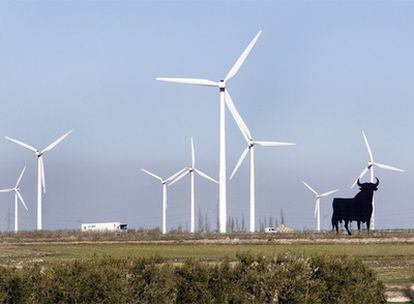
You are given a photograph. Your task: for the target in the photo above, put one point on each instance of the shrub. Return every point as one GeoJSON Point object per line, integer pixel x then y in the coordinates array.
{"type": "Point", "coordinates": [249, 279]}
{"type": "Point", "coordinates": [11, 287]}
{"type": "Point", "coordinates": [151, 281]}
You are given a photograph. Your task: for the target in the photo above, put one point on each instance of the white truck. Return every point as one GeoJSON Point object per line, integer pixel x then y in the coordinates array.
{"type": "Point", "coordinates": [110, 226]}
{"type": "Point", "coordinates": [270, 230]}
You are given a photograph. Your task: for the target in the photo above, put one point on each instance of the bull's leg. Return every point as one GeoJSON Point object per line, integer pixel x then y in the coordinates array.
{"type": "Point", "coordinates": [368, 224]}
{"type": "Point", "coordinates": [346, 227]}
{"type": "Point", "coordinates": [359, 226]}
{"type": "Point", "coordinates": [334, 224]}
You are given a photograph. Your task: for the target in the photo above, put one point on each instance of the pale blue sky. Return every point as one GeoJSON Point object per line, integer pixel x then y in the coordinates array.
{"type": "Point", "coordinates": [319, 74]}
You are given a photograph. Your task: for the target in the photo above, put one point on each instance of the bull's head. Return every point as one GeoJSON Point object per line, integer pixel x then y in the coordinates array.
{"type": "Point", "coordinates": [369, 186]}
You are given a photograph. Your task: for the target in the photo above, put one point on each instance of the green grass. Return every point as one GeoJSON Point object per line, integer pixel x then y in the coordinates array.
{"type": "Point", "coordinates": [212, 251]}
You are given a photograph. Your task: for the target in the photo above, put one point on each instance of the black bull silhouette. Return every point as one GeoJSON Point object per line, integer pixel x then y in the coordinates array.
{"type": "Point", "coordinates": [357, 209]}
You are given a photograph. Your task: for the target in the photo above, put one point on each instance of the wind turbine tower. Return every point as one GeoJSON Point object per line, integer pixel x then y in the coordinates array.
{"type": "Point", "coordinates": [318, 204]}
{"type": "Point", "coordinates": [164, 183]}
{"type": "Point", "coordinates": [251, 143]}
{"type": "Point", "coordinates": [191, 170]}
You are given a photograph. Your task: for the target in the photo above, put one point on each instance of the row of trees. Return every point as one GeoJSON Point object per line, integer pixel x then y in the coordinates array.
{"type": "Point", "coordinates": [236, 224]}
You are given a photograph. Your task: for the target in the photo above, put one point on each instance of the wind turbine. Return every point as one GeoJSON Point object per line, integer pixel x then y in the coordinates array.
{"type": "Point", "coordinates": [41, 183]}
{"type": "Point", "coordinates": [191, 170]}
{"type": "Point", "coordinates": [318, 203]}
{"type": "Point", "coordinates": [370, 167]}
{"type": "Point", "coordinates": [249, 149]}
{"type": "Point", "coordinates": [164, 183]}
{"type": "Point", "coordinates": [222, 84]}
{"type": "Point", "coordinates": [17, 197]}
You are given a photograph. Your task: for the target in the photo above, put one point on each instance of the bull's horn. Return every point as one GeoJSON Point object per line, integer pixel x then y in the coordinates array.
{"type": "Point", "coordinates": [359, 184]}
{"type": "Point", "coordinates": [377, 183]}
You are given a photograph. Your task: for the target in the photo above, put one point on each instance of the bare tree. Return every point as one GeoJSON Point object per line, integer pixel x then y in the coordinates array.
{"type": "Point", "coordinates": [243, 224]}
{"type": "Point", "coordinates": [217, 218]}
{"type": "Point", "coordinates": [206, 223]}
{"type": "Point", "coordinates": [282, 217]}
{"type": "Point", "coordinates": [270, 221]}
{"type": "Point", "coordinates": [261, 224]}
{"type": "Point", "coordinates": [200, 221]}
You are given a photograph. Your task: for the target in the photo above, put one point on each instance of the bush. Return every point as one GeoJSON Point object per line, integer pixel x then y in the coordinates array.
{"type": "Point", "coordinates": [250, 279]}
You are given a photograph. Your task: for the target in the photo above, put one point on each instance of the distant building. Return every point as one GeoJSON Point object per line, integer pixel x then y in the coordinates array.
{"type": "Point", "coordinates": [111, 226]}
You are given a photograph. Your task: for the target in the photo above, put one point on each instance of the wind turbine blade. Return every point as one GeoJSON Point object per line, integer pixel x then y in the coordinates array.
{"type": "Point", "coordinates": [42, 173]}
{"type": "Point", "coordinates": [202, 174]}
{"type": "Point", "coordinates": [178, 178]}
{"type": "Point", "coordinates": [242, 157]}
{"type": "Point", "coordinates": [371, 157]}
{"type": "Point", "coordinates": [21, 144]}
{"type": "Point", "coordinates": [386, 167]}
{"type": "Point", "coordinates": [56, 142]}
{"type": "Point", "coordinates": [152, 174]}
{"type": "Point", "coordinates": [328, 193]}
{"type": "Point", "coordinates": [233, 71]}
{"type": "Point", "coordinates": [360, 176]}
{"type": "Point", "coordinates": [6, 190]}
{"type": "Point", "coordinates": [273, 143]}
{"type": "Point", "coordinates": [193, 81]}
{"type": "Point", "coordinates": [176, 174]}
{"type": "Point", "coordinates": [20, 177]}
{"type": "Point", "coordinates": [21, 199]}
{"type": "Point", "coordinates": [310, 188]}
{"type": "Point", "coordinates": [192, 153]}
{"type": "Point", "coordinates": [236, 116]}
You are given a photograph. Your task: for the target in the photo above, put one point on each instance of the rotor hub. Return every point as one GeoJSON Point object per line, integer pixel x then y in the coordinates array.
{"type": "Point", "coordinates": [222, 85]}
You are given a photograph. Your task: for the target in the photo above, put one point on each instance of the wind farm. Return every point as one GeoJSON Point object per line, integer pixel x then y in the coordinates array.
{"type": "Point", "coordinates": [167, 193]}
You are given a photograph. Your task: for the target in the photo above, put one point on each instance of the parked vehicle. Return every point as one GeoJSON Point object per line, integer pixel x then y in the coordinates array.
{"type": "Point", "coordinates": [110, 226]}
{"type": "Point", "coordinates": [270, 230]}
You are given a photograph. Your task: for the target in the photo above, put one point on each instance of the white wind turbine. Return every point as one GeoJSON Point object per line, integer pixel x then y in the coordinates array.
{"type": "Point", "coordinates": [222, 84]}
{"type": "Point", "coordinates": [370, 167]}
{"type": "Point", "coordinates": [41, 183]}
{"type": "Point", "coordinates": [250, 148]}
{"type": "Point", "coordinates": [191, 170]}
{"type": "Point", "coordinates": [318, 203]}
{"type": "Point", "coordinates": [17, 197]}
{"type": "Point", "coordinates": [164, 183]}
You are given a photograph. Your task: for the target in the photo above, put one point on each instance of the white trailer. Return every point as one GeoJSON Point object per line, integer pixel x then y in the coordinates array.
{"type": "Point", "coordinates": [110, 226]}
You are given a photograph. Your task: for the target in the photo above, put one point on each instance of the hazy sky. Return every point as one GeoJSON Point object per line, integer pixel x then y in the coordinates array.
{"type": "Point", "coordinates": [320, 73]}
